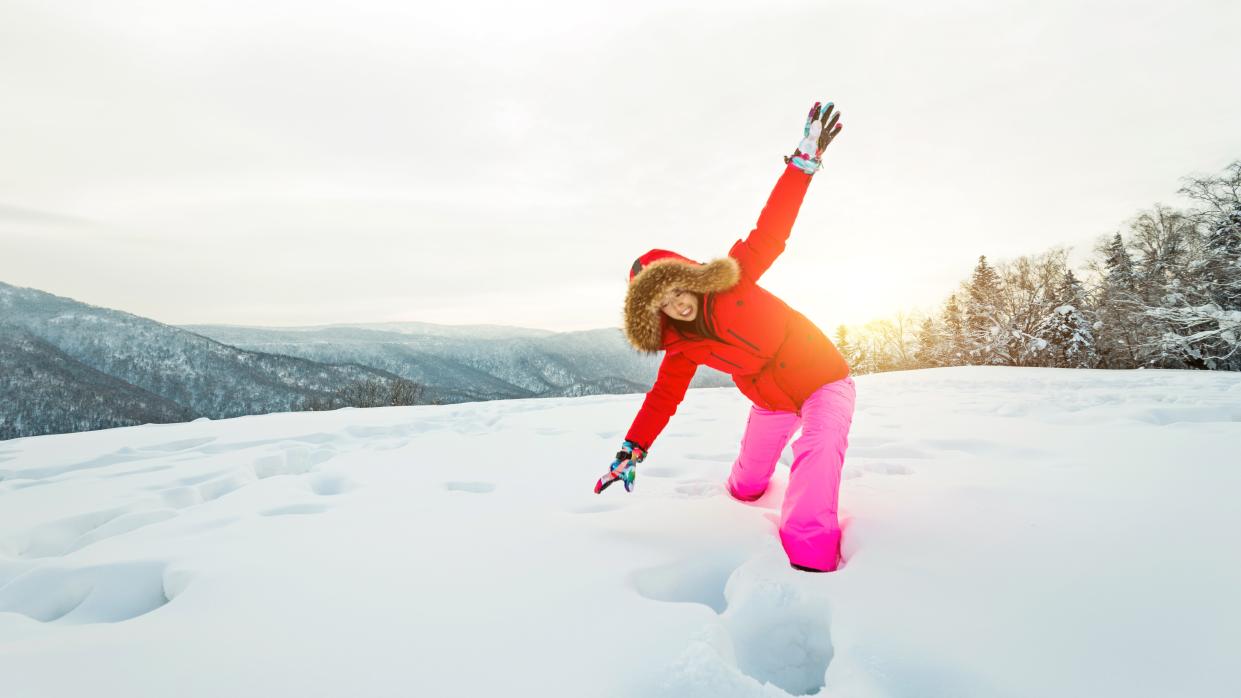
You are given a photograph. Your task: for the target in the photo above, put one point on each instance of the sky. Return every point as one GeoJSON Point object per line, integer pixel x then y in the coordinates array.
{"type": "Point", "coordinates": [309, 162]}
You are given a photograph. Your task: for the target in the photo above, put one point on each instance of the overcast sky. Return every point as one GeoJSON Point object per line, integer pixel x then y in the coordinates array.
{"type": "Point", "coordinates": [309, 162]}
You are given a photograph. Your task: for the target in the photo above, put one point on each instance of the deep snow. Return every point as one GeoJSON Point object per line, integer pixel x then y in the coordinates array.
{"type": "Point", "coordinates": [1008, 532]}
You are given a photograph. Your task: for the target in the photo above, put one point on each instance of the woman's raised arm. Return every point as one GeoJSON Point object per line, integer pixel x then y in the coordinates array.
{"type": "Point", "coordinates": [766, 241]}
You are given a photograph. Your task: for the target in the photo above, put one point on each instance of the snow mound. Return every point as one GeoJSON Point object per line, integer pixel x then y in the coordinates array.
{"type": "Point", "coordinates": [1017, 532]}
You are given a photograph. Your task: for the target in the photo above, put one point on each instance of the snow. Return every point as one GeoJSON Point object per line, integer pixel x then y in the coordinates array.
{"type": "Point", "coordinates": [1008, 532]}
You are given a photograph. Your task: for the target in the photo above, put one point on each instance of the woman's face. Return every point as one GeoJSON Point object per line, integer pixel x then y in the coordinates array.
{"type": "Point", "coordinates": [679, 304]}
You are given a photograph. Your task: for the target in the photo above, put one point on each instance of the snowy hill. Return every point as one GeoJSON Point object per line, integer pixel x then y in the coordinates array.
{"type": "Point", "coordinates": [1008, 532]}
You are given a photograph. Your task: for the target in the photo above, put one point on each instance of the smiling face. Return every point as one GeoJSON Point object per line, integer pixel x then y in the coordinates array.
{"type": "Point", "coordinates": [679, 305]}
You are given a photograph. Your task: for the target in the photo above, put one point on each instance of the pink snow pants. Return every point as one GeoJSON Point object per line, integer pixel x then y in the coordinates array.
{"type": "Point", "coordinates": [809, 529]}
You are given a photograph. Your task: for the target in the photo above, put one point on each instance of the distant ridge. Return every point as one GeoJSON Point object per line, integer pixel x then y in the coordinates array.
{"type": "Point", "coordinates": [61, 350]}
{"type": "Point", "coordinates": [71, 366]}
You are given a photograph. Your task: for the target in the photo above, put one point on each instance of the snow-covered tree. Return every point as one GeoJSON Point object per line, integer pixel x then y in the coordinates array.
{"type": "Point", "coordinates": [1118, 318]}
{"type": "Point", "coordinates": [952, 348]}
{"type": "Point", "coordinates": [930, 345]}
{"type": "Point", "coordinates": [1222, 267]}
{"type": "Point", "coordinates": [846, 349]}
{"type": "Point", "coordinates": [1184, 264]}
{"type": "Point", "coordinates": [1028, 293]}
{"type": "Point", "coordinates": [1219, 217]}
{"type": "Point", "coordinates": [987, 336]}
{"type": "Point", "coordinates": [1066, 329]}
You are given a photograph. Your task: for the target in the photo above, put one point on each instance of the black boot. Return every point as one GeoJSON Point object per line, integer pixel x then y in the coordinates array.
{"type": "Point", "coordinates": [806, 569]}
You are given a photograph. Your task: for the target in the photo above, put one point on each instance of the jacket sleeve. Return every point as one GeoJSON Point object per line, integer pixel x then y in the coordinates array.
{"type": "Point", "coordinates": [756, 253]}
{"type": "Point", "coordinates": [675, 373]}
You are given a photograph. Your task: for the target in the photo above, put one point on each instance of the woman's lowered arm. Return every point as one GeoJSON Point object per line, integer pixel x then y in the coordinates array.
{"type": "Point", "coordinates": [675, 373]}
{"type": "Point", "coordinates": [766, 241]}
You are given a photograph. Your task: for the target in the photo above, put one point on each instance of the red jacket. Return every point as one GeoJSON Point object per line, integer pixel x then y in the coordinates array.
{"type": "Point", "coordinates": [776, 356]}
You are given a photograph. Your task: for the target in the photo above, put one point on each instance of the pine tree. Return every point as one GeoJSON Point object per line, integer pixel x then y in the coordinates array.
{"type": "Point", "coordinates": [845, 347]}
{"type": "Point", "coordinates": [986, 337]}
{"type": "Point", "coordinates": [1119, 266]}
{"type": "Point", "coordinates": [930, 345]}
{"type": "Point", "coordinates": [1067, 329]}
{"type": "Point", "coordinates": [953, 352]}
{"type": "Point", "coordinates": [1118, 318]}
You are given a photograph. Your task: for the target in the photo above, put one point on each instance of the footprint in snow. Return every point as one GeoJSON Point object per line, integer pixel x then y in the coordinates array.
{"type": "Point", "coordinates": [722, 457]}
{"type": "Point", "coordinates": [292, 460]}
{"type": "Point", "coordinates": [698, 580]}
{"type": "Point", "coordinates": [859, 469]}
{"type": "Point", "coordinates": [296, 509]}
{"type": "Point", "coordinates": [775, 632]}
{"type": "Point", "coordinates": [475, 487]}
{"type": "Point", "coordinates": [662, 471]}
{"type": "Point", "coordinates": [779, 635]}
{"type": "Point", "coordinates": [229, 482]}
{"type": "Point", "coordinates": [108, 593]}
{"type": "Point", "coordinates": [139, 471]}
{"type": "Point", "coordinates": [699, 489]}
{"type": "Point", "coordinates": [122, 455]}
{"type": "Point", "coordinates": [597, 507]}
{"type": "Point", "coordinates": [478, 424]}
{"type": "Point", "coordinates": [182, 445]}
{"type": "Point", "coordinates": [395, 431]}
{"type": "Point", "coordinates": [888, 450]}
{"type": "Point", "coordinates": [330, 484]}
{"type": "Point", "coordinates": [66, 535]}
{"type": "Point", "coordinates": [14, 484]}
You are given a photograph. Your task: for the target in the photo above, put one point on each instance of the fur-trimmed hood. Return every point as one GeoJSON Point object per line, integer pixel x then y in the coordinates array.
{"type": "Point", "coordinates": [657, 272]}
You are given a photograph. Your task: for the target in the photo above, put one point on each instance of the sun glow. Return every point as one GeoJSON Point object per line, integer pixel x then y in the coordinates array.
{"type": "Point", "coordinates": [859, 290]}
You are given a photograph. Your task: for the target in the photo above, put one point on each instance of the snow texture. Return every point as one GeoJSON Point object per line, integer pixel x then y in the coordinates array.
{"type": "Point", "coordinates": [1008, 532]}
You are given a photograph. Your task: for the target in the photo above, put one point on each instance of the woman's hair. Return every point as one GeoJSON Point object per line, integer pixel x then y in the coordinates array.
{"type": "Point", "coordinates": [696, 327]}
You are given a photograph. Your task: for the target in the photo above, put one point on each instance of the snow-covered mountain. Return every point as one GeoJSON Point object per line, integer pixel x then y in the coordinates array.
{"type": "Point", "coordinates": [69, 366]}
{"type": "Point", "coordinates": [43, 390]}
{"type": "Point", "coordinates": [484, 361]}
{"type": "Point", "coordinates": [59, 354]}
{"type": "Point", "coordinates": [433, 330]}
{"type": "Point", "coordinates": [1009, 532]}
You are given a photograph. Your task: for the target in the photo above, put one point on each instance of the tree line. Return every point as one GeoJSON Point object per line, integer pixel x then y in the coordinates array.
{"type": "Point", "coordinates": [1164, 293]}
{"type": "Point", "coordinates": [372, 392]}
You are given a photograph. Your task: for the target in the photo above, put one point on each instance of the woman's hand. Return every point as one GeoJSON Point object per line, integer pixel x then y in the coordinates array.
{"type": "Point", "coordinates": [821, 129]}
{"type": "Point", "coordinates": [623, 468]}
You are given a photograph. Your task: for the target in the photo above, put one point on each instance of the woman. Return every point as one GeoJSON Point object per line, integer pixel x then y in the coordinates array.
{"type": "Point", "coordinates": [716, 314]}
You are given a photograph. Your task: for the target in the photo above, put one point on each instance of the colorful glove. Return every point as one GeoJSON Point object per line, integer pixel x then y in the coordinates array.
{"type": "Point", "coordinates": [819, 132]}
{"type": "Point", "coordinates": [623, 468]}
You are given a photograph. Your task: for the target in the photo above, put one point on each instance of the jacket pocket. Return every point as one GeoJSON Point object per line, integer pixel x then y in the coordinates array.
{"type": "Point", "coordinates": [752, 345]}
{"type": "Point", "coordinates": [730, 363]}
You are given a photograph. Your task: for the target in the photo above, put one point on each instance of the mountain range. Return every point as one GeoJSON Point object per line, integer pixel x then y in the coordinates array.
{"type": "Point", "coordinates": [70, 366]}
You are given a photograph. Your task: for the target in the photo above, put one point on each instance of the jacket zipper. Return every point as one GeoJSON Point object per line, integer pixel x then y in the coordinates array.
{"type": "Point", "coordinates": [752, 344]}
{"type": "Point", "coordinates": [726, 360]}
{"type": "Point", "coordinates": [710, 303]}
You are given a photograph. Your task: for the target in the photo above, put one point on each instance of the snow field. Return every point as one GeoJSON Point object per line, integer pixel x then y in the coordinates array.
{"type": "Point", "coordinates": [1007, 532]}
